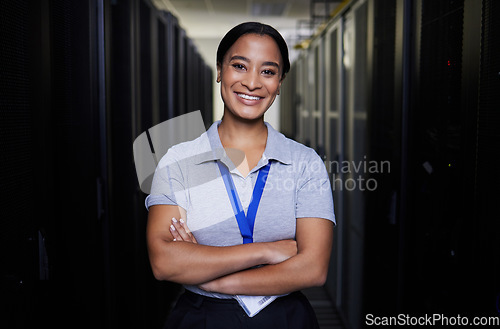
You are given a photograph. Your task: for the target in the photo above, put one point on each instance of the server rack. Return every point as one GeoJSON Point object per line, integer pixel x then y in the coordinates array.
{"type": "Point", "coordinates": [161, 68]}
{"type": "Point", "coordinates": [488, 118]}
{"type": "Point", "coordinates": [385, 144]}
{"type": "Point", "coordinates": [404, 83]}
{"type": "Point", "coordinates": [333, 126]}
{"type": "Point", "coordinates": [64, 151]}
{"type": "Point", "coordinates": [80, 81]}
{"type": "Point", "coordinates": [20, 147]}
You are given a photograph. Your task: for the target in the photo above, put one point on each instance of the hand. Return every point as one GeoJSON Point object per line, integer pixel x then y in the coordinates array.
{"type": "Point", "coordinates": [180, 231]}
{"type": "Point", "coordinates": [280, 251]}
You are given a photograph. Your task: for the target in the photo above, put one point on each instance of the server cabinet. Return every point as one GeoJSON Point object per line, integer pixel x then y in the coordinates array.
{"type": "Point", "coordinates": [356, 106]}
{"type": "Point", "coordinates": [78, 142]}
{"type": "Point", "coordinates": [316, 95]}
{"type": "Point", "coordinates": [207, 105]}
{"type": "Point", "coordinates": [417, 103]}
{"type": "Point", "coordinates": [80, 81]}
{"type": "Point", "coordinates": [302, 111]}
{"type": "Point", "coordinates": [165, 69]}
{"type": "Point", "coordinates": [146, 85]}
{"type": "Point", "coordinates": [287, 104]}
{"type": "Point", "coordinates": [309, 98]}
{"type": "Point", "coordinates": [455, 240]}
{"type": "Point", "coordinates": [22, 279]}
{"type": "Point", "coordinates": [180, 70]}
{"type": "Point", "coordinates": [382, 236]}
{"type": "Point", "coordinates": [488, 119]}
{"type": "Point", "coordinates": [54, 151]}
{"type": "Point", "coordinates": [191, 66]}
{"type": "Point", "coordinates": [433, 216]}
{"type": "Point", "coordinates": [334, 146]}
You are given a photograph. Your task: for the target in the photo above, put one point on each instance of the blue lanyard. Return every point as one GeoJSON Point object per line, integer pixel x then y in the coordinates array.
{"type": "Point", "coordinates": [245, 223]}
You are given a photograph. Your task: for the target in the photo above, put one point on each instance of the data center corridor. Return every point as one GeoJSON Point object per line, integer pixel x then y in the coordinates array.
{"type": "Point", "coordinates": [398, 97]}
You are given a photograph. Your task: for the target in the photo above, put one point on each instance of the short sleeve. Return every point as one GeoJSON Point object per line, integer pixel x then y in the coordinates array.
{"type": "Point", "coordinates": [168, 183]}
{"type": "Point", "coordinates": [314, 192]}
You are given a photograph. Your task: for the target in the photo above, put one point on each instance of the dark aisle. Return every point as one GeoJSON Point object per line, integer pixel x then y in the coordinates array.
{"type": "Point", "coordinates": [327, 315]}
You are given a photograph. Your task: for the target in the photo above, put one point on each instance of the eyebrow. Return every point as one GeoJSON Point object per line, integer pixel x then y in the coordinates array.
{"type": "Point", "coordinates": [242, 58]}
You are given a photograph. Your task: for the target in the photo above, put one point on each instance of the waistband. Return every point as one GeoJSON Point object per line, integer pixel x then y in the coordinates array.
{"type": "Point", "coordinates": [198, 299]}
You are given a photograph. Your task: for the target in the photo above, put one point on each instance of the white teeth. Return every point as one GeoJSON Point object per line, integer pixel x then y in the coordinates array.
{"type": "Point", "coordinates": [253, 98]}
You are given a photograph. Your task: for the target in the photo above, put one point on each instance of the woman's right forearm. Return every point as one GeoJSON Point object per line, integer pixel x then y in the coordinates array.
{"type": "Point", "coordinates": [190, 263]}
{"type": "Point", "coordinates": [186, 262]}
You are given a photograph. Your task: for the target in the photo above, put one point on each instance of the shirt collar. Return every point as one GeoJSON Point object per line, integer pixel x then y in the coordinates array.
{"type": "Point", "coordinates": [275, 147]}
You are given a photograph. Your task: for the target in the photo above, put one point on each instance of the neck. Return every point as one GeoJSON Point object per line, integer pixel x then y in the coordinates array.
{"type": "Point", "coordinates": [242, 134]}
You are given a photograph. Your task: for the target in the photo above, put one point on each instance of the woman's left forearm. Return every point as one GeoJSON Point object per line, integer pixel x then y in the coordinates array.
{"type": "Point", "coordinates": [291, 275]}
{"type": "Point", "coordinates": [308, 268]}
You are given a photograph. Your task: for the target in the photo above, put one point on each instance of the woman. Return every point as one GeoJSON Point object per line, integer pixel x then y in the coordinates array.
{"type": "Point", "coordinates": [240, 196]}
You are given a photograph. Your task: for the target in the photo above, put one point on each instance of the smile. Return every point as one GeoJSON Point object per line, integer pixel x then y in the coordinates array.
{"type": "Point", "coordinates": [248, 97]}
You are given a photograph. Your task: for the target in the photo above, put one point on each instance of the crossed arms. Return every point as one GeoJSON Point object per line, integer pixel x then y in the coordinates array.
{"type": "Point", "coordinates": [290, 265]}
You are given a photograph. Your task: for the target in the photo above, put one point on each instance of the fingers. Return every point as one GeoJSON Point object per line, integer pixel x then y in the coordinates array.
{"type": "Point", "coordinates": [188, 232]}
{"type": "Point", "coordinates": [175, 233]}
{"type": "Point", "coordinates": [180, 231]}
{"type": "Point", "coordinates": [193, 239]}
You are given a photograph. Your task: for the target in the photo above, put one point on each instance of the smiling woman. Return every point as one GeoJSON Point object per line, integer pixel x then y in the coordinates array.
{"type": "Point", "coordinates": [220, 220]}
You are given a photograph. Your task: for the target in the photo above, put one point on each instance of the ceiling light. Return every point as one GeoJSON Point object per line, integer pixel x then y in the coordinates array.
{"type": "Point", "coordinates": [268, 9]}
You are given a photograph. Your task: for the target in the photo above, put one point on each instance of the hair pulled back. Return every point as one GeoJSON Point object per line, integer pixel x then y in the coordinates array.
{"type": "Point", "coordinates": [253, 28]}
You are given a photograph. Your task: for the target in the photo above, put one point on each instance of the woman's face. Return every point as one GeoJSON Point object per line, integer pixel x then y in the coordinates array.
{"type": "Point", "coordinates": [250, 76]}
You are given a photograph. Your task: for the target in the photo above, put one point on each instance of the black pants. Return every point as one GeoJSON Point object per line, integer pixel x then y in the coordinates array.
{"type": "Point", "coordinates": [193, 311]}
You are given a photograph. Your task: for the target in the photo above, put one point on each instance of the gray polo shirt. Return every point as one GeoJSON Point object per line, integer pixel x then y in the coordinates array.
{"type": "Point", "coordinates": [297, 186]}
